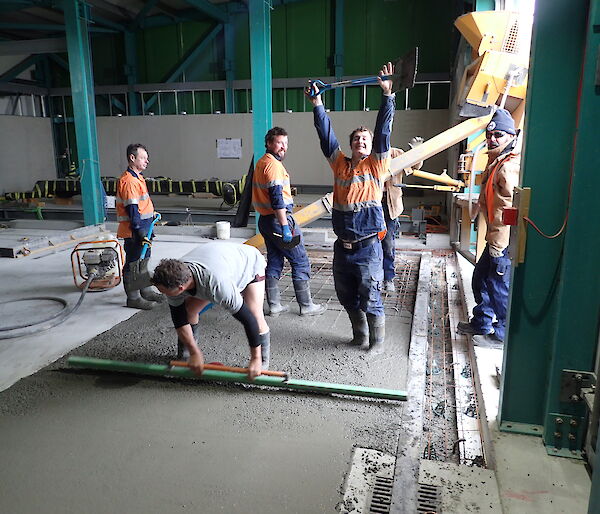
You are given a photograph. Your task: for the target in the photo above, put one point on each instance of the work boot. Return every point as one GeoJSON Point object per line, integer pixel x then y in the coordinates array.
{"type": "Point", "coordinates": [307, 307]}
{"type": "Point", "coordinates": [274, 297]}
{"type": "Point", "coordinates": [148, 293]}
{"type": "Point", "coordinates": [376, 333]}
{"type": "Point", "coordinates": [360, 329]}
{"type": "Point", "coordinates": [134, 298]}
{"type": "Point", "coordinates": [183, 353]}
{"type": "Point", "coordinates": [265, 349]}
{"type": "Point", "coordinates": [388, 286]}
{"type": "Point", "coordinates": [465, 327]}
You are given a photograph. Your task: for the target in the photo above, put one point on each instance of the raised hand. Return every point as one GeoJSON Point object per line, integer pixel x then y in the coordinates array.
{"type": "Point", "coordinates": [386, 85]}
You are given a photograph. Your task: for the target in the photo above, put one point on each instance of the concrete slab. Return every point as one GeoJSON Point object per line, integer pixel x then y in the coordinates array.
{"type": "Point", "coordinates": [116, 443]}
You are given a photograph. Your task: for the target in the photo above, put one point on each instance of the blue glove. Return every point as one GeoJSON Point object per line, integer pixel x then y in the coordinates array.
{"type": "Point", "coordinates": [287, 233]}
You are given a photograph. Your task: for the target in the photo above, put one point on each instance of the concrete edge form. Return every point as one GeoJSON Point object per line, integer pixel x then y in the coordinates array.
{"type": "Point", "coordinates": [463, 348]}
{"type": "Point", "coordinates": [404, 494]}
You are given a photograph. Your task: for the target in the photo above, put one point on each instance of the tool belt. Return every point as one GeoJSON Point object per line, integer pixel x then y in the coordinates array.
{"type": "Point", "coordinates": [352, 246]}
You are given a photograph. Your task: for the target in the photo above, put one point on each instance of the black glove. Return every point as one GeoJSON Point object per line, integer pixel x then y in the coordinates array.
{"type": "Point", "coordinates": [140, 234]}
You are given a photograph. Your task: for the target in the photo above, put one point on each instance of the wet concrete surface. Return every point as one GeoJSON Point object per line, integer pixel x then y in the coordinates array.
{"type": "Point", "coordinates": [78, 441]}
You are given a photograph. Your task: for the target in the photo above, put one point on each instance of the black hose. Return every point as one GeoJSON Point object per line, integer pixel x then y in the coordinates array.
{"type": "Point", "coordinates": [52, 316]}
{"type": "Point", "coordinates": [56, 319]}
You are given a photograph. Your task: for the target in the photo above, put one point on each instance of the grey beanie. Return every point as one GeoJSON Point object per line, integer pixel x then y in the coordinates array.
{"type": "Point", "coordinates": [502, 120]}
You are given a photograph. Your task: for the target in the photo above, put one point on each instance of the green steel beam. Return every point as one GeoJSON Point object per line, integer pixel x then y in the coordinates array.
{"type": "Point", "coordinates": [49, 27]}
{"type": "Point", "coordinates": [210, 10]}
{"type": "Point", "coordinates": [131, 70]}
{"type": "Point", "coordinates": [135, 24]}
{"type": "Point", "coordinates": [228, 376]}
{"type": "Point", "coordinates": [19, 68]}
{"type": "Point", "coordinates": [553, 312]}
{"type": "Point", "coordinates": [338, 58]}
{"type": "Point", "coordinates": [260, 64]}
{"type": "Point", "coordinates": [99, 20]}
{"type": "Point", "coordinates": [82, 91]}
{"type": "Point", "coordinates": [186, 61]}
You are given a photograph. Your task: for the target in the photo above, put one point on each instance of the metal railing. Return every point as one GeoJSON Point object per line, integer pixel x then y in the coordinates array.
{"type": "Point", "coordinates": [209, 98]}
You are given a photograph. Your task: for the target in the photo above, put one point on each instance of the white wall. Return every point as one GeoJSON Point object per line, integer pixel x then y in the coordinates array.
{"type": "Point", "coordinates": [184, 147]}
{"type": "Point", "coordinates": [26, 152]}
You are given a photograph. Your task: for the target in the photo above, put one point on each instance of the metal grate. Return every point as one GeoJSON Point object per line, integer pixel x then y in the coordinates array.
{"type": "Point", "coordinates": [397, 304]}
{"type": "Point", "coordinates": [511, 41]}
{"type": "Point", "coordinates": [429, 499]}
{"type": "Point", "coordinates": [380, 500]}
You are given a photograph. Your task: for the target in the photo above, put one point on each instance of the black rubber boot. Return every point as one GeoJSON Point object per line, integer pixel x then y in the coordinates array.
{"type": "Point", "coordinates": [376, 333]}
{"type": "Point", "coordinates": [307, 307]}
{"type": "Point", "coordinates": [265, 349]}
{"type": "Point", "coordinates": [360, 329]}
{"type": "Point", "coordinates": [274, 297]}
{"type": "Point", "coordinates": [134, 298]}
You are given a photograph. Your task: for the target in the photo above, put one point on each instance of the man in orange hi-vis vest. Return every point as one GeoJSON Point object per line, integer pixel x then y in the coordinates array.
{"type": "Point", "coordinates": [272, 199]}
{"type": "Point", "coordinates": [491, 276]}
{"type": "Point", "coordinates": [135, 213]}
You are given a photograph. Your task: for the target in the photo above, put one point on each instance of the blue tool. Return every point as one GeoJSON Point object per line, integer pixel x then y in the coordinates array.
{"type": "Point", "coordinates": [404, 77]}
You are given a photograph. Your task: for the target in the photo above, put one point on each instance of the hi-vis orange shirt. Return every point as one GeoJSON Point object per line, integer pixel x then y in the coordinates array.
{"type": "Point", "coordinates": [132, 192]}
{"type": "Point", "coordinates": [271, 186]}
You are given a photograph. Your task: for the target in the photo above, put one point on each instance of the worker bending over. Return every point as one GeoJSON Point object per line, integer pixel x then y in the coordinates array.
{"type": "Point", "coordinates": [135, 213]}
{"type": "Point", "coordinates": [357, 215]}
{"type": "Point", "coordinates": [491, 276]}
{"type": "Point", "coordinates": [272, 198]}
{"type": "Point", "coordinates": [228, 274]}
{"type": "Point", "coordinates": [392, 208]}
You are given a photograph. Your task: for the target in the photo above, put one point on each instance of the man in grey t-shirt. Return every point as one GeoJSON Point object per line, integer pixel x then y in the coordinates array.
{"type": "Point", "coordinates": [228, 274]}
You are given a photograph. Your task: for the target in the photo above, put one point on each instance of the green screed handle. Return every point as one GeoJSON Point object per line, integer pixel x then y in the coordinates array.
{"type": "Point", "coordinates": [228, 376]}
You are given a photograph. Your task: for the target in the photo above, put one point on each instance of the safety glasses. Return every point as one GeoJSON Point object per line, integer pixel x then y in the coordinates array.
{"type": "Point", "coordinates": [497, 134]}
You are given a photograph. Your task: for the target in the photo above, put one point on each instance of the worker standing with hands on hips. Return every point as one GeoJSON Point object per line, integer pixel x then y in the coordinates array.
{"type": "Point", "coordinates": [357, 215]}
{"type": "Point", "coordinates": [272, 199]}
{"type": "Point", "coordinates": [491, 276]}
{"type": "Point", "coordinates": [135, 213]}
{"type": "Point", "coordinates": [227, 274]}
{"type": "Point", "coordinates": [392, 208]}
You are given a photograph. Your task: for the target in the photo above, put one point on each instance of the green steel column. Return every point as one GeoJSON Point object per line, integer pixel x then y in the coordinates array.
{"type": "Point", "coordinates": [578, 307]}
{"type": "Point", "coordinates": [553, 314]}
{"type": "Point", "coordinates": [485, 5]}
{"type": "Point", "coordinates": [338, 58]}
{"type": "Point", "coordinates": [229, 39]}
{"type": "Point", "coordinates": [84, 109]}
{"type": "Point", "coordinates": [260, 62]}
{"type": "Point", "coordinates": [229, 60]}
{"type": "Point", "coordinates": [131, 71]}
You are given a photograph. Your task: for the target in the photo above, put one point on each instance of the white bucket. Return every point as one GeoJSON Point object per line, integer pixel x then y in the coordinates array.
{"type": "Point", "coordinates": [223, 230]}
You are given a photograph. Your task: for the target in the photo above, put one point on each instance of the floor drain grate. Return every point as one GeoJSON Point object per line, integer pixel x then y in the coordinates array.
{"type": "Point", "coordinates": [381, 495]}
{"type": "Point", "coordinates": [428, 499]}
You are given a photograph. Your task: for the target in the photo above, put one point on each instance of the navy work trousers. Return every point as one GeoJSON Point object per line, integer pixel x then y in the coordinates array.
{"type": "Point", "coordinates": [297, 257]}
{"type": "Point", "coordinates": [358, 276]}
{"type": "Point", "coordinates": [133, 250]}
{"type": "Point", "coordinates": [491, 283]}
